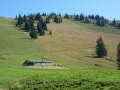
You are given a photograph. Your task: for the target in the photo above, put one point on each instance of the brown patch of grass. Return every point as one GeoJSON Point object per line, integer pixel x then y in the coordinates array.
{"type": "Point", "coordinates": [71, 42]}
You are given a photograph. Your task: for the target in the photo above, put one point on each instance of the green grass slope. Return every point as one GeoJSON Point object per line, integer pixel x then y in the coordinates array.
{"type": "Point", "coordinates": [15, 46]}
{"type": "Point", "coordinates": [71, 45]}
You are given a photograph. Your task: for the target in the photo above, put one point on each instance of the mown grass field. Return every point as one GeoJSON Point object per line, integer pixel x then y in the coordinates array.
{"type": "Point", "coordinates": [72, 45]}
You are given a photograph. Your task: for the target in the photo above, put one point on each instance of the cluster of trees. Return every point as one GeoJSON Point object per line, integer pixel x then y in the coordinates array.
{"type": "Point", "coordinates": [115, 24]}
{"type": "Point", "coordinates": [101, 51]}
{"type": "Point", "coordinates": [93, 19]}
{"type": "Point", "coordinates": [57, 19]}
{"type": "Point", "coordinates": [28, 22]}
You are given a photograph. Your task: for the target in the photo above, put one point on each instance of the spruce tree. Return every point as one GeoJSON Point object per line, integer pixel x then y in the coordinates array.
{"type": "Point", "coordinates": [27, 26]}
{"type": "Point", "coordinates": [25, 18]}
{"type": "Point", "coordinates": [77, 17]}
{"type": "Point", "coordinates": [44, 26]}
{"type": "Point", "coordinates": [56, 19]}
{"type": "Point", "coordinates": [47, 20]}
{"type": "Point", "coordinates": [118, 56]}
{"type": "Point", "coordinates": [101, 51]}
{"type": "Point", "coordinates": [40, 29]}
{"type": "Point", "coordinates": [82, 17]}
{"type": "Point", "coordinates": [50, 33]}
{"type": "Point", "coordinates": [20, 21]}
{"type": "Point", "coordinates": [98, 22]}
{"type": "Point", "coordinates": [102, 23]}
{"type": "Point", "coordinates": [66, 16]}
{"type": "Point", "coordinates": [59, 14]}
{"type": "Point", "coordinates": [31, 19]}
{"type": "Point", "coordinates": [114, 22]}
{"type": "Point", "coordinates": [38, 16]}
{"type": "Point", "coordinates": [119, 25]}
{"type": "Point", "coordinates": [87, 20]}
{"type": "Point", "coordinates": [33, 34]}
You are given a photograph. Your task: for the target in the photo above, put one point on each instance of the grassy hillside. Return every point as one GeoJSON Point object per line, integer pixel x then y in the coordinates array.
{"type": "Point", "coordinates": [15, 46]}
{"type": "Point", "coordinates": [71, 45]}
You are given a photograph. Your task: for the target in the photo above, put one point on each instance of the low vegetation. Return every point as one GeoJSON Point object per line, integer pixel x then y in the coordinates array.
{"type": "Point", "coordinates": [61, 79]}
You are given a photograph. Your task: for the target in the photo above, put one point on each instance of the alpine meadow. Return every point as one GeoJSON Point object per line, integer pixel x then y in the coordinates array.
{"type": "Point", "coordinates": [59, 51]}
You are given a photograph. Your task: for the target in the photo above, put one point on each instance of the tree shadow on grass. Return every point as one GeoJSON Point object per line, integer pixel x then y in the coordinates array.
{"type": "Point", "coordinates": [25, 38]}
{"type": "Point", "coordinates": [94, 56]}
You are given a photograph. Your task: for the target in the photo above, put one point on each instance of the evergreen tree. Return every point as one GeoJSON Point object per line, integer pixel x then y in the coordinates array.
{"type": "Point", "coordinates": [50, 33]}
{"type": "Point", "coordinates": [87, 20]}
{"type": "Point", "coordinates": [39, 27]}
{"type": "Point", "coordinates": [47, 20]}
{"type": "Point", "coordinates": [118, 56]}
{"type": "Point", "coordinates": [98, 22]}
{"type": "Point", "coordinates": [57, 19]}
{"type": "Point", "coordinates": [31, 19]}
{"type": "Point", "coordinates": [38, 16]}
{"type": "Point", "coordinates": [32, 26]}
{"type": "Point", "coordinates": [77, 17]}
{"type": "Point", "coordinates": [25, 18]}
{"type": "Point", "coordinates": [101, 51]}
{"type": "Point", "coordinates": [102, 23]}
{"type": "Point", "coordinates": [20, 21]}
{"type": "Point", "coordinates": [33, 33]}
{"type": "Point", "coordinates": [41, 32]}
{"type": "Point", "coordinates": [27, 26]}
{"type": "Point", "coordinates": [119, 25]}
{"type": "Point", "coordinates": [66, 16]}
{"type": "Point", "coordinates": [59, 14]}
{"type": "Point", "coordinates": [97, 17]}
{"type": "Point", "coordinates": [114, 23]}
{"type": "Point", "coordinates": [60, 19]}
{"type": "Point", "coordinates": [82, 17]}
{"type": "Point", "coordinates": [44, 26]}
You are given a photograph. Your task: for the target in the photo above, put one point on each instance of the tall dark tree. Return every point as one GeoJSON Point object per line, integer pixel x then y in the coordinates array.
{"type": "Point", "coordinates": [98, 22]}
{"type": "Point", "coordinates": [87, 20]}
{"type": "Point", "coordinates": [118, 56]}
{"type": "Point", "coordinates": [57, 19]}
{"type": "Point", "coordinates": [114, 22]}
{"type": "Point", "coordinates": [82, 17]}
{"type": "Point", "coordinates": [20, 21]}
{"type": "Point", "coordinates": [97, 17]}
{"type": "Point", "coordinates": [31, 18]}
{"type": "Point", "coordinates": [66, 16]}
{"type": "Point", "coordinates": [101, 51]}
{"type": "Point", "coordinates": [44, 26]}
{"type": "Point", "coordinates": [118, 25]}
{"type": "Point", "coordinates": [59, 14]}
{"type": "Point", "coordinates": [47, 20]}
{"type": "Point", "coordinates": [77, 17]}
{"type": "Point", "coordinates": [27, 26]}
{"type": "Point", "coordinates": [33, 33]}
{"type": "Point", "coordinates": [40, 29]}
{"type": "Point", "coordinates": [25, 18]}
{"type": "Point", "coordinates": [50, 33]}
{"type": "Point", "coordinates": [38, 16]}
{"type": "Point", "coordinates": [102, 23]}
